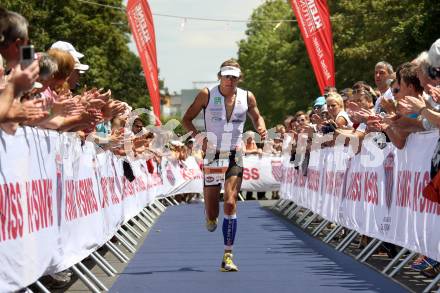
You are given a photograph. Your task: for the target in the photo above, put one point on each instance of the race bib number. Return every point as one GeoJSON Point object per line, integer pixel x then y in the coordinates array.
{"type": "Point", "coordinates": [215, 172]}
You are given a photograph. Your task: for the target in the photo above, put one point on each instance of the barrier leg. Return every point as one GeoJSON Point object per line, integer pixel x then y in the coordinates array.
{"type": "Point", "coordinates": [294, 212]}
{"type": "Point", "coordinates": [288, 210]}
{"type": "Point", "coordinates": [102, 266]}
{"type": "Point", "coordinates": [117, 252]}
{"type": "Point", "coordinates": [303, 216]}
{"type": "Point", "coordinates": [371, 251]}
{"type": "Point", "coordinates": [347, 240]}
{"type": "Point", "coordinates": [144, 218]}
{"type": "Point", "coordinates": [240, 196]}
{"type": "Point", "coordinates": [139, 225]}
{"type": "Point", "coordinates": [125, 243]}
{"type": "Point", "coordinates": [153, 211]}
{"type": "Point", "coordinates": [284, 205]}
{"type": "Point", "coordinates": [159, 206]}
{"type": "Point", "coordinates": [90, 275]}
{"type": "Point", "coordinates": [132, 230]}
{"type": "Point", "coordinates": [366, 248]}
{"type": "Point", "coordinates": [319, 228]}
{"type": "Point", "coordinates": [105, 262]}
{"type": "Point", "coordinates": [148, 216]}
{"type": "Point", "coordinates": [402, 264]}
{"type": "Point", "coordinates": [168, 201]}
{"type": "Point", "coordinates": [85, 280]}
{"type": "Point", "coordinates": [174, 201]}
{"type": "Point", "coordinates": [309, 221]}
{"type": "Point", "coordinates": [274, 207]}
{"type": "Point", "coordinates": [394, 260]}
{"type": "Point", "coordinates": [333, 233]}
{"type": "Point", "coordinates": [41, 287]}
{"type": "Point", "coordinates": [432, 284]}
{"type": "Point", "coordinates": [127, 236]}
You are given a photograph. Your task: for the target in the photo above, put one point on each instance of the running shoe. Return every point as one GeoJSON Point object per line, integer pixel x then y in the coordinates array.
{"type": "Point", "coordinates": [422, 263]}
{"type": "Point", "coordinates": [227, 263]}
{"type": "Point", "coordinates": [431, 271]}
{"type": "Point", "coordinates": [211, 225]}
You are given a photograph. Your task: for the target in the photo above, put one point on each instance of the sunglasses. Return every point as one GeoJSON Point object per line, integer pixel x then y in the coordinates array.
{"type": "Point", "coordinates": [396, 90]}
{"type": "Point", "coordinates": [231, 77]}
{"type": "Point", "coordinates": [433, 72]}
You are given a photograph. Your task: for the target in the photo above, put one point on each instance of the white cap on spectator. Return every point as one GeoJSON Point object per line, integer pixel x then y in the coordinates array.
{"type": "Point", "coordinates": [65, 46]}
{"type": "Point", "coordinates": [79, 66]}
{"type": "Point", "coordinates": [176, 143]}
{"type": "Point", "coordinates": [434, 54]}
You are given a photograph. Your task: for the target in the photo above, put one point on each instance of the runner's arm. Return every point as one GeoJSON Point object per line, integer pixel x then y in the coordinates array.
{"type": "Point", "coordinates": [200, 102]}
{"type": "Point", "coordinates": [254, 114]}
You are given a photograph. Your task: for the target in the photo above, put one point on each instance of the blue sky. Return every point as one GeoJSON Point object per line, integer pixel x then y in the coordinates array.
{"type": "Point", "coordinates": [195, 52]}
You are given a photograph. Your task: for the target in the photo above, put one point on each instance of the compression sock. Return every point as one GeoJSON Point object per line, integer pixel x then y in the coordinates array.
{"type": "Point", "coordinates": [229, 230]}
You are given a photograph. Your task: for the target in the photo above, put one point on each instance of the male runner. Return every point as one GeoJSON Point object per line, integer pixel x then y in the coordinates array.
{"type": "Point", "coordinates": [225, 107]}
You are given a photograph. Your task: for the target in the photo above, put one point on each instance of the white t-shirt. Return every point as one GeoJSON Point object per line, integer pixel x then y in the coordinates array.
{"type": "Point", "coordinates": [344, 115]}
{"type": "Point", "coordinates": [388, 95]}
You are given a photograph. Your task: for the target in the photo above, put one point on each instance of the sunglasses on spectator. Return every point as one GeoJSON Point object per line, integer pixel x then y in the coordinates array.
{"type": "Point", "coordinates": [396, 90]}
{"type": "Point", "coordinates": [301, 120]}
{"type": "Point", "coordinates": [231, 77]}
{"type": "Point", "coordinates": [433, 72]}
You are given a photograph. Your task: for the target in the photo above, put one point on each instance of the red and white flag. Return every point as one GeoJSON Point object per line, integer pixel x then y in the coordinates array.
{"type": "Point", "coordinates": [142, 27]}
{"type": "Point", "coordinates": [314, 22]}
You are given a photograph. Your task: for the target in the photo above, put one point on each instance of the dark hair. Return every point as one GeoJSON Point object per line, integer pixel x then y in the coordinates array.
{"type": "Point", "coordinates": [408, 73]}
{"type": "Point", "coordinates": [230, 62]}
{"type": "Point", "coordinates": [13, 26]}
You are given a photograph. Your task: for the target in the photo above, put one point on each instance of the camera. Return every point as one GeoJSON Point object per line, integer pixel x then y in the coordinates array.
{"type": "Point", "coordinates": [328, 128]}
{"type": "Point", "coordinates": [27, 56]}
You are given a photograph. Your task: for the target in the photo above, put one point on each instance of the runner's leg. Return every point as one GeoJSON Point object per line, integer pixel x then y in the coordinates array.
{"type": "Point", "coordinates": [212, 197]}
{"type": "Point", "coordinates": [232, 187]}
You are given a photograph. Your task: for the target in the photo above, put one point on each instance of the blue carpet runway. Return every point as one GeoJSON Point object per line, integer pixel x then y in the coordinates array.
{"type": "Point", "coordinates": [180, 255]}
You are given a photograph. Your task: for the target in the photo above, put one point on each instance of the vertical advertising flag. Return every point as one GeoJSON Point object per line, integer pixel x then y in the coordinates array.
{"type": "Point", "coordinates": [314, 22]}
{"type": "Point", "coordinates": [142, 27]}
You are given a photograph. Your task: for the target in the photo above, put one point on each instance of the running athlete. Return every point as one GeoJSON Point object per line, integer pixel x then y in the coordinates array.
{"type": "Point", "coordinates": [225, 107]}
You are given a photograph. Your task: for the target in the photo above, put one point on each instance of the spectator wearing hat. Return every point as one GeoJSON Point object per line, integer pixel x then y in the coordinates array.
{"type": "Point", "coordinates": [78, 68]}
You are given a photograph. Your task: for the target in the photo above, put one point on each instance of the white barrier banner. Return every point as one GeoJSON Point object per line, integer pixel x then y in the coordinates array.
{"type": "Point", "coordinates": [29, 223]}
{"type": "Point", "coordinates": [262, 173]}
{"type": "Point", "coordinates": [60, 200]}
{"type": "Point", "coordinates": [378, 194]}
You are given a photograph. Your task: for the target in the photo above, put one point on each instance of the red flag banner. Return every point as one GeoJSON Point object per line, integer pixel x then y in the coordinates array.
{"type": "Point", "coordinates": [314, 22]}
{"type": "Point", "coordinates": [142, 27]}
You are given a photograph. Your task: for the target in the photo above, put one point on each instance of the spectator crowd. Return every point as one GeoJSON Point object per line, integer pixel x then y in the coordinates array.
{"type": "Point", "coordinates": [44, 93]}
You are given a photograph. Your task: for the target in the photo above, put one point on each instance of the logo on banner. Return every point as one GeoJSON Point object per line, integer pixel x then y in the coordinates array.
{"type": "Point", "coordinates": [170, 175]}
{"type": "Point", "coordinates": [388, 166]}
{"type": "Point", "coordinates": [311, 18]}
{"type": "Point", "coordinates": [277, 170]}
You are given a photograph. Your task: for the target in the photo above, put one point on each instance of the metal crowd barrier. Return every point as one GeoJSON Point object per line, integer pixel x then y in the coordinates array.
{"type": "Point", "coordinates": [139, 224]}
{"type": "Point", "coordinates": [305, 218]}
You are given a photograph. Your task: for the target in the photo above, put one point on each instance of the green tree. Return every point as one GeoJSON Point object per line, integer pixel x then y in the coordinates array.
{"type": "Point", "coordinates": [100, 33]}
{"type": "Point", "coordinates": [276, 65]}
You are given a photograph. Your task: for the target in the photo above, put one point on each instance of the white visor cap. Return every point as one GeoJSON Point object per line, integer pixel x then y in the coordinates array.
{"type": "Point", "coordinates": [230, 70]}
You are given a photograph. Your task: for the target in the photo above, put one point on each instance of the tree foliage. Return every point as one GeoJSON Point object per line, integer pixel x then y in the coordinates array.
{"type": "Point", "coordinates": [100, 33]}
{"type": "Point", "coordinates": [276, 65]}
